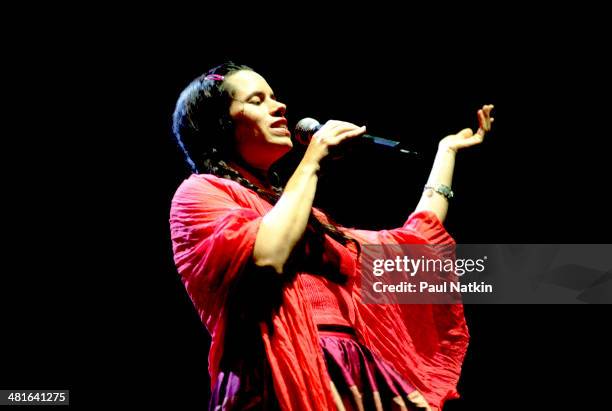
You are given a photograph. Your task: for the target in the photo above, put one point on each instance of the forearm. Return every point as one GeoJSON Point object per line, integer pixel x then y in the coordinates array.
{"type": "Point", "coordinates": [441, 173]}
{"type": "Point", "coordinates": [283, 226]}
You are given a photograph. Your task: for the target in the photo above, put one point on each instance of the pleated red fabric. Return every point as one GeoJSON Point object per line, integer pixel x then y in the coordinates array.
{"type": "Point", "coordinates": [214, 223]}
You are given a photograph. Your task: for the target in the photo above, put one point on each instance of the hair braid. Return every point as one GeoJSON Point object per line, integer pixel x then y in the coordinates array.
{"type": "Point", "coordinates": [221, 169]}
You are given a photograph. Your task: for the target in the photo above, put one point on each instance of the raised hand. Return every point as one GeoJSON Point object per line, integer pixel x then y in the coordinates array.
{"type": "Point", "coordinates": [466, 137]}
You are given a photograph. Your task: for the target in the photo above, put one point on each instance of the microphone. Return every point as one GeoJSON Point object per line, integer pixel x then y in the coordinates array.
{"type": "Point", "coordinates": [306, 127]}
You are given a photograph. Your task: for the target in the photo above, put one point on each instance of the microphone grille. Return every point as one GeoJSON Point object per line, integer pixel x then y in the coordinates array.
{"type": "Point", "coordinates": [304, 130]}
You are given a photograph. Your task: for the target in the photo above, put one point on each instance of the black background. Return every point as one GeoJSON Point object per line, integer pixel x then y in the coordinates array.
{"type": "Point", "coordinates": [91, 300]}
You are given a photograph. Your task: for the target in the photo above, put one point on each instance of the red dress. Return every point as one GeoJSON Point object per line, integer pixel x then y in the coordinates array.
{"type": "Point", "coordinates": [214, 224]}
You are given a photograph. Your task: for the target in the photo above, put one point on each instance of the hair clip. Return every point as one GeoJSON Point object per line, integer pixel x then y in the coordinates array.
{"type": "Point", "coordinates": [214, 77]}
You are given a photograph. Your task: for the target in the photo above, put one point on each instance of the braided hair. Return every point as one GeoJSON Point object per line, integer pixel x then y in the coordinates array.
{"type": "Point", "coordinates": [204, 132]}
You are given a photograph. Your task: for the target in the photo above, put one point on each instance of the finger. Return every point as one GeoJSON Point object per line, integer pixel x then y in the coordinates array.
{"type": "Point", "coordinates": [468, 142]}
{"type": "Point", "coordinates": [481, 119]}
{"type": "Point", "coordinates": [346, 135]}
{"type": "Point", "coordinates": [485, 124]}
{"type": "Point", "coordinates": [466, 133]}
{"type": "Point", "coordinates": [472, 141]}
{"type": "Point", "coordinates": [332, 129]}
{"type": "Point", "coordinates": [350, 134]}
{"type": "Point", "coordinates": [349, 128]}
{"type": "Point", "coordinates": [483, 128]}
{"type": "Point", "coordinates": [332, 125]}
{"type": "Point", "coordinates": [485, 121]}
{"type": "Point", "coordinates": [335, 125]}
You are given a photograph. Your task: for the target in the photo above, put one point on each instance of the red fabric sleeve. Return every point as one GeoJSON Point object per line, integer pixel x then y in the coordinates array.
{"type": "Point", "coordinates": [427, 224]}
{"type": "Point", "coordinates": [426, 343]}
{"type": "Point", "coordinates": [421, 227]}
{"type": "Point", "coordinates": [212, 238]}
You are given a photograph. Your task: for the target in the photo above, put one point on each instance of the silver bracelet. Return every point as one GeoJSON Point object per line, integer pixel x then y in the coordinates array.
{"type": "Point", "coordinates": [442, 190]}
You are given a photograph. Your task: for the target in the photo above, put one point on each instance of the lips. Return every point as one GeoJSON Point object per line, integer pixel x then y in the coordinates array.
{"type": "Point", "coordinates": [281, 123]}
{"type": "Point", "coordinates": [280, 127]}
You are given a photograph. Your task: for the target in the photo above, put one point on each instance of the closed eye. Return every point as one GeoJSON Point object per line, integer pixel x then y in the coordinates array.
{"type": "Point", "coordinates": [255, 100]}
{"type": "Point", "coordinates": [258, 98]}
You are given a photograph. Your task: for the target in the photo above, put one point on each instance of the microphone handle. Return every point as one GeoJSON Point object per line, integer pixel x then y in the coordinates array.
{"type": "Point", "coordinates": [378, 141]}
{"type": "Point", "coordinates": [388, 143]}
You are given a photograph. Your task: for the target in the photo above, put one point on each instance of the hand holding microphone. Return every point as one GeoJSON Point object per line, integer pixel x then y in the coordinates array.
{"type": "Point", "coordinates": [308, 127]}
{"type": "Point", "coordinates": [320, 139]}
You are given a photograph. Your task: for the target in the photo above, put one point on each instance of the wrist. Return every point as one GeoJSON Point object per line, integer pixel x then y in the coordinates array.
{"type": "Point", "coordinates": [308, 167]}
{"type": "Point", "coordinates": [444, 148]}
{"type": "Point", "coordinates": [442, 189]}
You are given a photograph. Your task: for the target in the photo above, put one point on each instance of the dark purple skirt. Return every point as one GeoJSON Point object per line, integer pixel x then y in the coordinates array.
{"type": "Point", "coordinates": [363, 381]}
{"type": "Point", "coordinates": [360, 380]}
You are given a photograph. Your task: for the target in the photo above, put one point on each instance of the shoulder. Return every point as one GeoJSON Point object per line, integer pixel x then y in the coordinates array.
{"type": "Point", "coordinates": [206, 192]}
{"type": "Point", "coordinates": [198, 185]}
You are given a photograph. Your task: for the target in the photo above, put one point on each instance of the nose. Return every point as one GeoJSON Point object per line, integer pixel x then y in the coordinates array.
{"type": "Point", "coordinates": [278, 109]}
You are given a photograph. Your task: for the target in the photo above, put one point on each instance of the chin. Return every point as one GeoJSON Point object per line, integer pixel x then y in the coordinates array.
{"type": "Point", "coordinates": [289, 142]}
{"type": "Point", "coordinates": [282, 142]}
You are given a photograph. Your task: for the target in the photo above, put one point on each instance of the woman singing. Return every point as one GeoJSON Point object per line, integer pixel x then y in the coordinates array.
{"type": "Point", "coordinates": [275, 280]}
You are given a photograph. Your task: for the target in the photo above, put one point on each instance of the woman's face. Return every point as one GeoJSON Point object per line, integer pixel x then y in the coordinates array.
{"type": "Point", "coordinates": [262, 136]}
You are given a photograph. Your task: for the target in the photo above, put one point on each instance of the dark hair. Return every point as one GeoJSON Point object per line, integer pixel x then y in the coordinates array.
{"type": "Point", "coordinates": [201, 120]}
{"type": "Point", "coordinates": [204, 132]}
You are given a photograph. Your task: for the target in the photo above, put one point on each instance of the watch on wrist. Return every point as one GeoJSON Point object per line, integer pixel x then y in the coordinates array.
{"type": "Point", "coordinates": [443, 190]}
